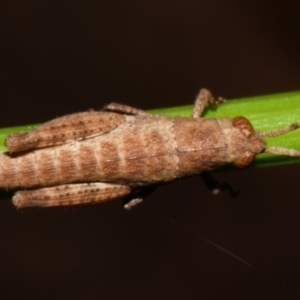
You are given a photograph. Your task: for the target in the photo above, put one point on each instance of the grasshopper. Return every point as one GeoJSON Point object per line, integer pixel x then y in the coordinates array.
{"type": "Point", "coordinates": [97, 156]}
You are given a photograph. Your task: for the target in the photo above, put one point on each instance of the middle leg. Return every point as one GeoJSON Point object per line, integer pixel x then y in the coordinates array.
{"type": "Point", "coordinates": [205, 97]}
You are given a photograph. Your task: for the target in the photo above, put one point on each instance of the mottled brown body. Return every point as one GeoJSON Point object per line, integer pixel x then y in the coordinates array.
{"type": "Point", "coordinates": [140, 151]}
{"type": "Point", "coordinates": [116, 153]}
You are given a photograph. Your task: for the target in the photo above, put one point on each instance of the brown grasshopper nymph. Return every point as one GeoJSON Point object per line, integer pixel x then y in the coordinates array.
{"type": "Point", "coordinates": [93, 157]}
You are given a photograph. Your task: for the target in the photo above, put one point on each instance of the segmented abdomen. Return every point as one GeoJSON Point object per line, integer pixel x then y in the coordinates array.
{"type": "Point", "coordinates": [141, 150]}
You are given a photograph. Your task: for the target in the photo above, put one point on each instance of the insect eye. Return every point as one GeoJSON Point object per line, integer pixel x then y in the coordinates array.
{"type": "Point", "coordinates": [245, 160]}
{"type": "Point", "coordinates": [243, 125]}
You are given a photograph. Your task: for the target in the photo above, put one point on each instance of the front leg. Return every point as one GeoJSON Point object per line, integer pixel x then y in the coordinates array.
{"type": "Point", "coordinates": [71, 194]}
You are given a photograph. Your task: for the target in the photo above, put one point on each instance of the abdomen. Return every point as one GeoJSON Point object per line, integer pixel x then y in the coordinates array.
{"type": "Point", "coordinates": [140, 151]}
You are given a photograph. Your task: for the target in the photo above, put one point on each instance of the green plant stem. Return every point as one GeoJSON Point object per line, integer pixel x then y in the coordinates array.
{"type": "Point", "coordinates": [265, 113]}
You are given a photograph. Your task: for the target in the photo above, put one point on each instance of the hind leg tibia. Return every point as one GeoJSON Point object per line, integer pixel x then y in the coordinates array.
{"type": "Point", "coordinates": [125, 109]}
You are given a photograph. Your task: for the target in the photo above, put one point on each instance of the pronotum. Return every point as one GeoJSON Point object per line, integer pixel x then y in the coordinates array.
{"type": "Point", "coordinates": [93, 157]}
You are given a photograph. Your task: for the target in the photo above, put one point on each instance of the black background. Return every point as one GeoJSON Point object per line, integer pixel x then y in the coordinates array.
{"type": "Point", "coordinates": [59, 57]}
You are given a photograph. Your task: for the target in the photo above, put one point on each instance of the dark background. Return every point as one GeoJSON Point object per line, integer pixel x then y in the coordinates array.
{"type": "Point", "coordinates": [59, 57]}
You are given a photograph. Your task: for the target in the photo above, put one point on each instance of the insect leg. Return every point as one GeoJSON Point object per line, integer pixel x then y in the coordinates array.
{"type": "Point", "coordinates": [205, 97]}
{"type": "Point", "coordinates": [125, 109]}
{"type": "Point", "coordinates": [70, 194]}
{"type": "Point", "coordinates": [65, 129]}
{"type": "Point", "coordinates": [135, 198]}
{"type": "Point", "coordinates": [215, 187]}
